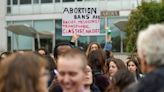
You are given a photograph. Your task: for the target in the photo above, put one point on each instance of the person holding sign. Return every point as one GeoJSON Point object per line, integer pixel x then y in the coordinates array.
{"type": "Point", "coordinates": [108, 45]}
{"type": "Point", "coordinates": [92, 47]}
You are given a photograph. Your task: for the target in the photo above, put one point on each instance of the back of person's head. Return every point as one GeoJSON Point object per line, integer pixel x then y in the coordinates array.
{"type": "Point", "coordinates": [109, 54]}
{"type": "Point", "coordinates": [58, 51]}
{"type": "Point", "coordinates": [42, 51]}
{"type": "Point", "coordinates": [96, 60]}
{"type": "Point", "coordinates": [51, 63]}
{"type": "Point", "coordinates": [4, 55]}
{"type": "Point", "coordinates": [22, 72]}
{"type": "Point", "coordinates": [120, 81]}
{"type": "Point", "coordinates": [150, 44]}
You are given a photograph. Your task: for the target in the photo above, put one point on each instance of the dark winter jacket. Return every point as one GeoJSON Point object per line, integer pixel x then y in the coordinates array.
{"type": "Point", "coordinates": [152, 82]}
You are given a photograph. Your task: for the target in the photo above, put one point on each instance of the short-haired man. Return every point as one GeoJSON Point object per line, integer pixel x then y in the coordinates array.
{"type": "Point", "coordinates": [60, 49]}
{"type": "Point", "coordinates": [71, 68]}
{"type": "Point", "coordinates": [150, 45]}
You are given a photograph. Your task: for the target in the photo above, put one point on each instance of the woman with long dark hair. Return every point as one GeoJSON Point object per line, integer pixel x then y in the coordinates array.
{"type": "Point", "coordinates": [134, 67]}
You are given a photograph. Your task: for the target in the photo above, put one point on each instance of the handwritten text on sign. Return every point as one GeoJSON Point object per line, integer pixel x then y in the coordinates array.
{"type": "Point", "coordinates": [82, 21]}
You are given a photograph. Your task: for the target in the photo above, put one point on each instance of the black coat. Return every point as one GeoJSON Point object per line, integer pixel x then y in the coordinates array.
{"type": "Point", "coordinates": [152, 82]}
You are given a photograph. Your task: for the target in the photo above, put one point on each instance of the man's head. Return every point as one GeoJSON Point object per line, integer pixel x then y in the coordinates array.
{"type": "Point", "coordinates": [150, 47]}
{"type": "Point", "coordinates": [71, 68]}
{"type": "Point", "coordinates": [42, 51]}
{"type": "Point", "coordinates": [61, 48]}
{"type": "Point", "coordinates": [4, 55]}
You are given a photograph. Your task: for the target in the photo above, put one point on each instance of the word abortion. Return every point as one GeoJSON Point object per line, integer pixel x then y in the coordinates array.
{"type": "Point", "coordinates": [80, 10]}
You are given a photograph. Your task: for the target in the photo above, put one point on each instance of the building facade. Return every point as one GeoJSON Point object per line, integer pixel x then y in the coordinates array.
{"type": "Point", "coordinates": [46, 16]}
{"type": "Point", "coordinates": [3, 36]}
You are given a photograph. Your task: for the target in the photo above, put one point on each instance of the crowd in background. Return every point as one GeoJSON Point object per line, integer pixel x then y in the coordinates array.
{"type": "Point", "coordinates": [71, 69]}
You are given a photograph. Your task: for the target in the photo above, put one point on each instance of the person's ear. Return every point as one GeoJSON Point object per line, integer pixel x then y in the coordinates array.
{"type": "Point", "coordinates": [144, 66]}
{"type": "Point", "coordinates": [143, 62]}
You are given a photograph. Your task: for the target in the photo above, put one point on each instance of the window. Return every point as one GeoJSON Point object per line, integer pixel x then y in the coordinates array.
{"type": "Point", "coordinates": [15, 2]}
{"type": "Point", "coordinates": [8, 10]}
{"type": "Point", "coordinates": [9, 43]}
{"type": "Point", "coordinates": [42, 25]}
{"type": "Point", "coordinates": [25, 1]}
{"type": "Point", "coordinates": [45, 43]}
{"type": "Point", "coordinates": [99, 39]}
{"type": "Point", "coordinates": [8, 2]}
{"type": "Point", "coordinates": [68, 0]}
{"type": "Point", "coordinates": [102, 23]}
{"type": "Point", "coordinates": [46, 1]}
{"type": "Point", "coordinates": [57, 0]}
{"type": "Point", "coordinates": [35, 1]}
{"type": "Point", "coordinates": [58, 32]}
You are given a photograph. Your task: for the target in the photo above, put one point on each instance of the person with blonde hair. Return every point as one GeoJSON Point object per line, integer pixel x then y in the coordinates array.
{"type": "Point", "coordinates": [71, 67]}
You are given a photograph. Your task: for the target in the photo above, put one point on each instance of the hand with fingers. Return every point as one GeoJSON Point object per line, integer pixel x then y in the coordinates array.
{"type": "Point", "coordinates": [74, 37]}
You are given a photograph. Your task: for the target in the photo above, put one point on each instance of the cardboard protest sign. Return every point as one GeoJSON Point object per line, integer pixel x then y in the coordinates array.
{"type": "Point", "coordinates": [80, 20]}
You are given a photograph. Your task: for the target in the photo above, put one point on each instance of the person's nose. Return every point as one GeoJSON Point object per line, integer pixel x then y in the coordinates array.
{"type": "Point", "coordinates": [110, 69]}
{"type": "Point", "coordinates": [130, 67]}
{"type": "Point", "coordinates": [66, 78]}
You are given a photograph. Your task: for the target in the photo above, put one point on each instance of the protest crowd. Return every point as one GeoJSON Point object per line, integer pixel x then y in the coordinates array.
{"type": "Point", "coordinates": [72, 69]}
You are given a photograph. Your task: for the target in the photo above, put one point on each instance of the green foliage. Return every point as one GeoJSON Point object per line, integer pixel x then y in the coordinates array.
{"type": "Point", "coordinates": [140, 18]}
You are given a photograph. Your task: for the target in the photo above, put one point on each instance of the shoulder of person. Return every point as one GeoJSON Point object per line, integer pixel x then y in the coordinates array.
{"type": "Point", "coordinates": [141, 75]}
{"type": "Point", "coordinates": [132, 87]}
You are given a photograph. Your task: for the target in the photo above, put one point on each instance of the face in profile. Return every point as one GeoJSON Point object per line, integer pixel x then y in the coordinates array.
{"type": "Point", "coordinates": [70, 74]}
{"type": "Point", "coordinates": [94, 47]}
{"type": "Point", "coordinates": [112, 68]}
{"type": "Point", "coordinates": [88, 77]}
